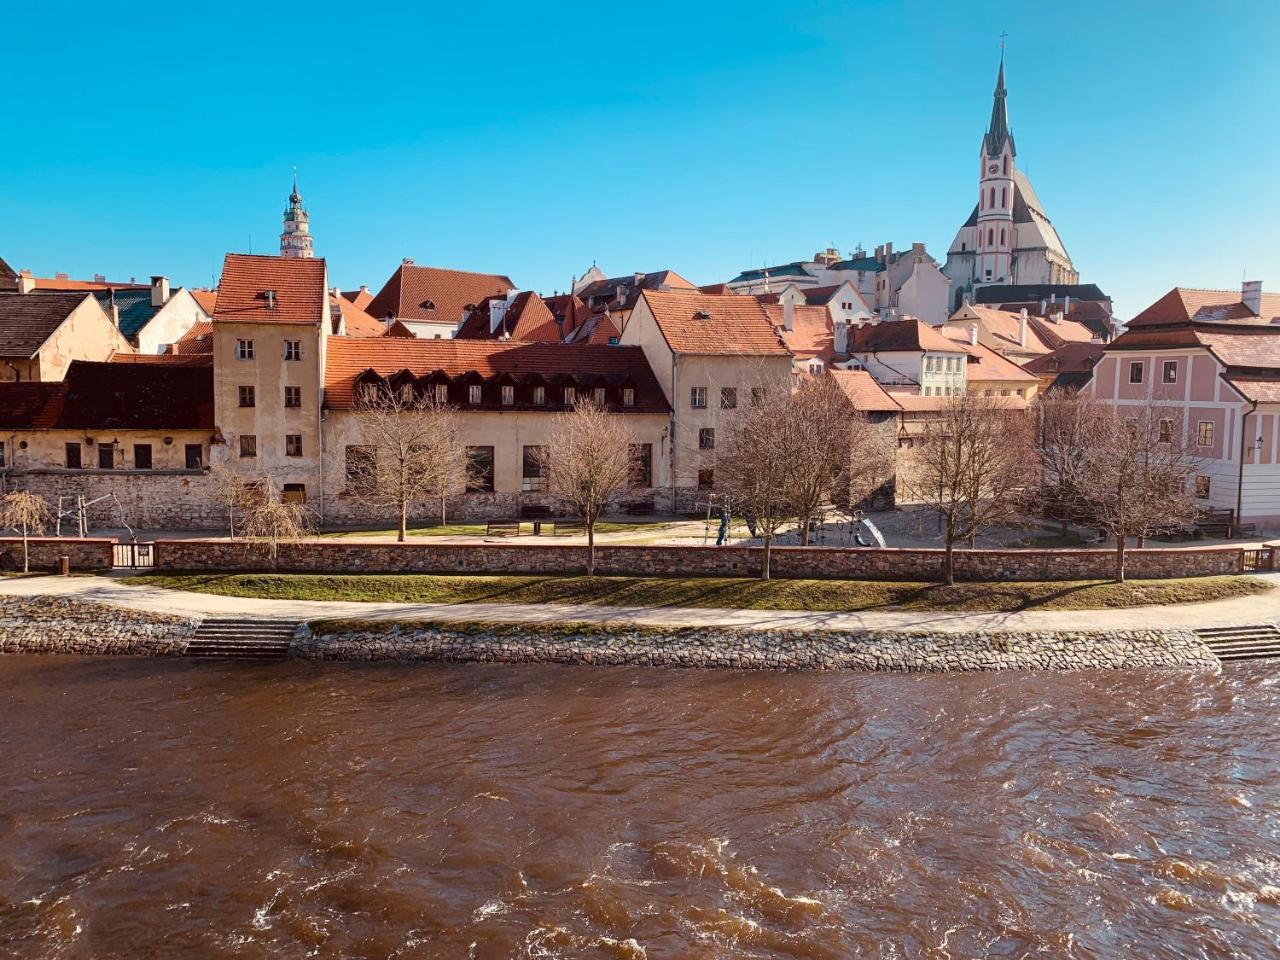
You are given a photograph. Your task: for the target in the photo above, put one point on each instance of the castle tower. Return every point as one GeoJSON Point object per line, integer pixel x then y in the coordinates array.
{"type": "Point", "coordinates": [995, 194]}
{"type": "Point", "coordinates": [296, 241]}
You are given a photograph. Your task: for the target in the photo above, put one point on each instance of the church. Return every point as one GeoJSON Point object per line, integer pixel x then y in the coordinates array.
{"type": "Point", "coordinates": [1008, 239]}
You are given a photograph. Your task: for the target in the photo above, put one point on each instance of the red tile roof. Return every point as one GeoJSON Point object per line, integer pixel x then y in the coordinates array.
{"type": "Point", "coordinates": [1235, 344]}
{"type": "Point", "coordinates": [298, 284]}
{"type": "Point", "coordinates": [113, 396]}
{"type": "Point", "coordinates": [527, 318]}
{"type": "Point", "coordinates": [197, 340]}
{"type": "Point", "coordinates": [361, 298]}
{"type": "Point", "coordinates": [908, 335]}
{"type": "Point", "coordinates": [1261, 390]}
{"type": "Point", "coordinates": [68, 285]}
{"type": "Point", "coordinates": [985, 364]}
{"type": "Point", "coordinates": [1183, 304]}
{"type": "Point", "coordinates": [1069, 358]}
{"type": "Point", "coordinates": [432, 293]}
{"type": "Point", "coordinates": [598, 328]}
{"type": "Point", "coordinates": [30, 404]}
{"type": "Point", "coordinates": [356, 322]}
{"type": "Point", "coordinates": [165, 359]}
{"type": "Point", "coordinates": [864, 392]}
{"type": "Point", "coordinates": [348, 358]}
{"type": "Point", "coordinates": [207, 299]}
{"type": "Point", "coordinates": [701, 323]}
{"type": "Point", "coordinates": [811, 335]}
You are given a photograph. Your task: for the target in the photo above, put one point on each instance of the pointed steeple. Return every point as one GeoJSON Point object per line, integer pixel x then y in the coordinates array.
{"type": "Point", "coordinates": [998, 132]}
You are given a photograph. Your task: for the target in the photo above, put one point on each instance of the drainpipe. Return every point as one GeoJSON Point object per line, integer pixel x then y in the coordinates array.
{"type": "Point", "coordinates": [671, 440]}
{"type": "Point", "coordinates": [1240, 479]}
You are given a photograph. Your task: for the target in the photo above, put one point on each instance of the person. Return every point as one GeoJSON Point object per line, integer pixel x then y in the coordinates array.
{"type": "Point", "coordinates": [723, 535]}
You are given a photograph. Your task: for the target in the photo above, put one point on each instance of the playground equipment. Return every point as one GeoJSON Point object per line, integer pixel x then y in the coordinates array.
{"type": "Point", "coordinates": [75, 506]}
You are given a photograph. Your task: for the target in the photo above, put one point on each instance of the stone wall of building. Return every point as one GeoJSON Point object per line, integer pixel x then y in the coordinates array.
{"type": "Point", "coordinates": [334, 556]}
{"type": "Point", "coordinates": [148, 500]}
{"type": "Point", "coordinates": [89, 554]}
{"type": "Point", "coordinates": [623, 644]}
{"type": "Point", "coordinates": [60, 625]}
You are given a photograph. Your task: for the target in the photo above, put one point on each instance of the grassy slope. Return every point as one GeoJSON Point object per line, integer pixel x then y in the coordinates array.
{"type": "Point", "coordinates": [746, 594]}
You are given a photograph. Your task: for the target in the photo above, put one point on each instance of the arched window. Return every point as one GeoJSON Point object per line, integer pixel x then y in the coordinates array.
{"type": "Point", "coordinates": [982, 199]}
{"type": "Point", "coordinates": [990, 236]}
{"type": "Point", "coordinates": [1004, 198]}
{"type": "Point", "coordinates": [1006, 164]}
{"type": "Point", "coordinates": [1002, 236]}
{"type": "Point", "coordinates": [993, 197]}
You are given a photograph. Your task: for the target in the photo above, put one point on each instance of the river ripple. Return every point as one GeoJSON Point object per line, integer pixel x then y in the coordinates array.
{"type": "Point", "coordinates": [153, 808]}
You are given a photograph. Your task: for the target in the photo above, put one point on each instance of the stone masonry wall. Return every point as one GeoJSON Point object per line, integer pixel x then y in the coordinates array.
{"type": "Point", "coordinates": [621, 644]}
{"type": "Point", "coordinates": [349, 556]}
{"type": "Point", "coordinates": [182, 500]}
{"type": "Point", "coordinates": [61, 625]}
{"type": "Point", "coordinates": [45, 551]}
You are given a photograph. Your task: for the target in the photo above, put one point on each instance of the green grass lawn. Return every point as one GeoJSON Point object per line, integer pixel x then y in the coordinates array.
{"type": "Point", "coordinates": [478, 529]}
{"type": "Point", "coordinates": [737, 593]}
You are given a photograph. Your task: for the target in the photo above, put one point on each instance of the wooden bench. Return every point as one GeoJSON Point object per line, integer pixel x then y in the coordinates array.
{"type": "Point", "coordinates": [503, 528]}
{"type": "Point", "coordinates": [535, 511]}
{"type": "Point", "coordinates": [638, 508]}
{"type": "Point", "coordinates": [568, 528]}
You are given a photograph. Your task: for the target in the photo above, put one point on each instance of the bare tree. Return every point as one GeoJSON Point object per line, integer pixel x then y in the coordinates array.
{"type": "Point", "coordinates": [414, 452]}
{"type": "Point", "coordinates": [1067, 427]}
{"type": "Point", "coordinates": [753, 466]}
{"type": "Point", "coordinates": [233, 491]}
{"type": "Point", "coordinates": [270, 519]}
{"type": "Point", "coordinates": [28, 513]}
{"type": "Point", "coordinates": [1137, 478]}
{"type": "Point", "coordinates": [587, 463]}
{"type": "Point", "coordinates": [974, 467]}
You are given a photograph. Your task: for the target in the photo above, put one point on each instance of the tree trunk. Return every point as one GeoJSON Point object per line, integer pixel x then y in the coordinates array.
{"type": "Point", "coordinates": [949, 564]}
{"type": "Point", "coordinates": [591, 548]}
{"type": "Point", "coordinates": [26, 557]}
{"type": "Point", "coordinates": [444, 508]}
{"type": "Point", "coordinates": [1120, 545]}
{"type": "Point", "coordinates": [404, 521]}
{"type": "Point", "coordinates": [768, 556]}
{"type": "Point", "coordinates": [805, 525]}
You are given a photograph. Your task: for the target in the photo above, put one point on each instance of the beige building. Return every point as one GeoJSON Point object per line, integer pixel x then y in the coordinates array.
{"type": "Point", "coordinates": [41, 333]}
{"type": "Point", "coordinates": [708, 353]}
{"type": "Point", "coordinates": [269, 330]}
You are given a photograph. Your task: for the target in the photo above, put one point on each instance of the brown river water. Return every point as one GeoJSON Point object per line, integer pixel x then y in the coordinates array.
{"type": "Point", "coordinates": [168, 808]}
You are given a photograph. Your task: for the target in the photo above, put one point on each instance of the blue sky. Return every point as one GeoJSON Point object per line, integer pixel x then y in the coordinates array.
{"type": "Point", "coordinates": [704, 137]}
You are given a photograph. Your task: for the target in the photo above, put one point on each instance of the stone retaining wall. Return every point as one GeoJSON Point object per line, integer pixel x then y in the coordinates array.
{"type": "Point", "coordinates": [60, 625]}
{"type": "Point", "coordinates": [617, 644]}
{"type": "Point", "coordinates": [89, 554]}
{"type": "Point", "coordinates": [352, 556]}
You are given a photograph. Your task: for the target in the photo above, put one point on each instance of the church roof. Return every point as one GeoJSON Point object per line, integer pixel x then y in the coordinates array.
{"type": "Point", "coordinates": [1026, 292]}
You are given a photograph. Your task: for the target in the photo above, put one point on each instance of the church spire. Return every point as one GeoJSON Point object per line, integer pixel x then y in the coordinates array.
{"type": "Point", "coordinates": [998, 132]}
{"type": "Point", "coordinates": [295, 242]}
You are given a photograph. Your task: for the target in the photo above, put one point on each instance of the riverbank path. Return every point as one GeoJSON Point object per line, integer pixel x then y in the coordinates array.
{"type": "Point", "coordinates": [1237, 611]}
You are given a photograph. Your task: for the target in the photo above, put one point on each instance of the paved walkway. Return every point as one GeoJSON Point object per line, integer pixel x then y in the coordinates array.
{"type": "Point", "coordinates": [1240, 611]}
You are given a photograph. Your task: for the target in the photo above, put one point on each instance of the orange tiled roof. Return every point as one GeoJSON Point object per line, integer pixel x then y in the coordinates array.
{"type": "Point", "coordinates": [432, 293]}
{"type": "Point", "coordinates": [165, 359]}
{"type": "Point", "coordinates": [811, 333]}
{"type": "Point", "coordinates": [348, 358]}
{"type": "Point", "coordinates": [893, 336]}
{"type": "Point", "coordinates": [1184, 304]}
{"type": "Point", "coordinates": [357, 322]}
{"type": "Point", "coordinates": [527, 318]}
{"type": "Point", "coordinates": [361, 298]}
{"type": "Point", "coordinates": [864, 392]}
{"type": "Point", "coordinates": [701, 323]}
{"type": "Point", "coordinates": [207, 299]}
{"type": "Point", "coordinates": [986, 365]}
{"type": "Point", "coordinates": [298, 284]}
{"type": "Point", "coordinates": [68, 285]}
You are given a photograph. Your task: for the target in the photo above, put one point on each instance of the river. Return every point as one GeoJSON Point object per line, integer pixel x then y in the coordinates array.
{"type": "Point", "coordinates": [170, 808]}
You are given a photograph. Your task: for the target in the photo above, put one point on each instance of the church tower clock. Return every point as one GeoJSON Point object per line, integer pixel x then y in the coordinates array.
{"type": "Point", "coordinates": [995, 239]}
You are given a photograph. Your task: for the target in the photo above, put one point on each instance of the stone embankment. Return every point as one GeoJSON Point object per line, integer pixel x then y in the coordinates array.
{"type": "Point", "coordinates": [60, 625]}
{"type": "Point", "coordinates": [624, 644]}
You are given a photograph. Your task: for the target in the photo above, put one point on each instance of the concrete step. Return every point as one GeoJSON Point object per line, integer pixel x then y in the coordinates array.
{"type": "Point", "coordinates": [1256, 641]}
{"type": "Point", "coordinates": [242, 638]}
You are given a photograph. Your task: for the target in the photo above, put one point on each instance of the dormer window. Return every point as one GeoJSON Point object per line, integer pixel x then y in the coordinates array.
{"type": "Point", "coordinates": [570, 396]}
{"type": "Point", "coordinates": [270, 297]}
{"type": "Point", "coordinates": [442, 393]}
{"type": "Point", "coordinates": [508, 394]}
{"type": "Point", "coordinates": [597, 395]}
{"type": "Point", "coordinates": [702, 315]}
{"type": "Point", "coordinates": [628, 396]}
{"type": "Point", "coordinates": [473, 393]}
{"type": "Point", "coordinates": [539, 396]}
{"type": "Point", "coordinates": [428, 305]}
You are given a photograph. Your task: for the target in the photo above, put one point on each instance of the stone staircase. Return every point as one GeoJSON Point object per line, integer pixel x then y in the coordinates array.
{"type": "Point", "coordinates": [242, 638]}
{"type": "Point", "coordinates": [1254, 642]}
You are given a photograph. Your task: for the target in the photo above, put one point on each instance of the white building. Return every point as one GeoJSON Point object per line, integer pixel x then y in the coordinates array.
{"type": "Point", "coordinates": [295, 241]}
{"type": "Point", "coordinates": [1008, 239]}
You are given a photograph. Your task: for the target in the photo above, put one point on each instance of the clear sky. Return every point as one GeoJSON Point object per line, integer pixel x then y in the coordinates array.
{"type": "Point", "coordinates": [532, 139]}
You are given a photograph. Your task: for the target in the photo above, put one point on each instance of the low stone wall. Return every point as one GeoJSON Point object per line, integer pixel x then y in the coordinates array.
{"type": "Point", "coordinates": [159, 500]}
{"type": "Point", "coordinates": [618, 644]}
{"type": "Point", "coordinates": [60, 625]}
{"type": "Point", "coordinates": [352, 556]}
{"type": "Point", "coordinates": [89, 554]}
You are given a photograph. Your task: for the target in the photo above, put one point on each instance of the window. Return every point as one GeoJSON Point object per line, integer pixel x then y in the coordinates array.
{"type": "Point", "coordinates": [244, 349]}
{"type": "Point", "coordinates": [442, 393]}
{"type": "Point", "coordinates": [1204, 433]}
{"type": "Point", "coordinates": [72, 454]}
{"type": "Point", "coordinates": [1202, 487]}
{"type": "Point", "coordinates": [362, 468]}
{"type": "Point", "coordinates": [1, 454]}
{"type": "Point", "coordinates": [991, 236]}
{"type": "Point", "coordinates": [531, 477]}
{"type": "Point", "coordinates": [539, 396]}
{"type": "Point", "coordinates": [293, 493]}
{"type": "Point", "coordinates": [508, 394]}
{"type": "Point", "coordinates": [246, 397]}
{"type": "Point", "coordinates": [293, 445]}
{"type": "Point", "coordinates": [293, 349]}
{"type": "Point", "coordinates": [1166, 431]}
{"type": "Point", "coordinates": [698, 398]}
{"type": "Point", "coordinates": [728, 398]}
{"type": "Point", "coordinates": [1169, 372]}
{"type": "Point", "coordinates": [707, 438]}
{"type": "Point", "coordinates": [570, 396]}
{"type": "Point", "coordinates": [628, 396]}
{"type": "Point", "coordinates": [293, 396]}
{"type": "Point", "coordinates": [195, 456]}
{"type": "Point", "coordinates": [480, 474]}
{"type": "Point", "coordinates": [1002, 236]}
{"type": "Point", "coordinates": [1004, 202]}
{"type": "Point", "coordinates": [248, 445]}
{"type": "Point", "coordinates": [1135, 371]}
{"type": "Point", "coordinates": [473, 393]}
{"type": "Point", "coordinates": [642, 464]}
{"type": "Point", "coordinates": [142, 456]}
{"type": "Point", "coordinates": [106, 456]}
{"type": "Point", "coordinates": [597, 396]}
{"type": "Point", "coordinates": [706, 479]}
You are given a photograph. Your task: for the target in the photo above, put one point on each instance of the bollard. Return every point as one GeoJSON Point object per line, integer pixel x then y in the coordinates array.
{"type": "Point", "coordinates": [64, 566]}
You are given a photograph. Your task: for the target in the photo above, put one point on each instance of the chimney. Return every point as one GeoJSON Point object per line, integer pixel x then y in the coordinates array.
{"type": "Point", "coordinates": [1044, 307]}
{"type": "Point", "coordinates": [1066, 304]}
{"type": "Point", "coordinates": [1022, 328]}
{"type": "Point", "coordinates": [788, 315]}
{"type": "Point", "coordinates": [26, 282]}
{"type": "Point", "coordinates": [973, 334]}
{"type": "Point", "coordinates": [1251, 294]}
{"type": "Point", "coordinates": [364, 288]}
{"type": "Point", "coordinates": [407, 262]}
{"type": "Point", "coordinates": [159, 291]}
{"type": "Point", "coordinates": [99, 278]}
